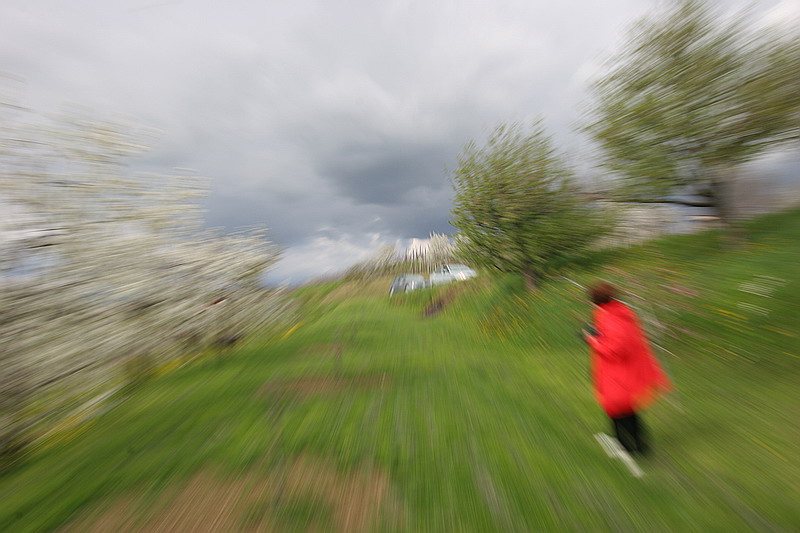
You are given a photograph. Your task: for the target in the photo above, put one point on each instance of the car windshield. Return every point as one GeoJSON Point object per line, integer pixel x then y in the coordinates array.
{"type": "Point", "coordinates": [459, 268]}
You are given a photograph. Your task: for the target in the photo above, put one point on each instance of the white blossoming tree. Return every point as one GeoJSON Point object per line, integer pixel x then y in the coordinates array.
{"type": "Point", "coordinates": [440, 250]}
{"type": "Point", "coordinates": [105, 273]}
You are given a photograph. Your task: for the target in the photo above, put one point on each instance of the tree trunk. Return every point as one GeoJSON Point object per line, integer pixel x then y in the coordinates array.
{"type": "Point", "coordinates": [721, 191]}
{"type": "Point", "coordinates": [531, 279]}
{"type": "Point", "coordinates": [719, 202]}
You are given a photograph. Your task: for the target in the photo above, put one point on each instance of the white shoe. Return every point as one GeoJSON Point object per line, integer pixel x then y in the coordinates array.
{"type": "Point", "coordinates": [614, 449]}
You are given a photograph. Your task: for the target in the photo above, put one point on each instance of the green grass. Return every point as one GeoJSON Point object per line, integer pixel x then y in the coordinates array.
{"type": "Point", "coordinates": [482, 417]}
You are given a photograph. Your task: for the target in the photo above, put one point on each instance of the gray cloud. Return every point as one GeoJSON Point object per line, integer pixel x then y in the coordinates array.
{"type": "Point", "coordinates": [330, 122]}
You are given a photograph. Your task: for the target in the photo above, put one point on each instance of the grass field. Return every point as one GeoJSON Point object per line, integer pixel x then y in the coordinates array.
{"type": "Point", "coordinates": [369, 416]}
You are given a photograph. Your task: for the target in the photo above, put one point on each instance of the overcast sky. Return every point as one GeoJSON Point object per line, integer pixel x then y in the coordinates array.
{"type": "Point", "coordinates": [330, 122]}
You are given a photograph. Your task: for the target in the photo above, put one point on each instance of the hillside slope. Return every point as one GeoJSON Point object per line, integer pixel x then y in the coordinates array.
{"type": "Point", "coordinates": [369, 416]}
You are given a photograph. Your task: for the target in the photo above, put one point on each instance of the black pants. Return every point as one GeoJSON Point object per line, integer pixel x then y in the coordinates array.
{"type": "Point", "coordinates": [630, 432]}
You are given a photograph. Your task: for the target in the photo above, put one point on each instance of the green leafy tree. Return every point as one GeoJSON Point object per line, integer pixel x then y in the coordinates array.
{"type": "Point", "coordinates": [690, 96]}
{"type": "Point", "coordinates": [517, 206]}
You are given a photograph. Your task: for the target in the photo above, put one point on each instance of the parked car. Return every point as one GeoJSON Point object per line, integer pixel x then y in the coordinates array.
{"type": "Point", "coordinates": [448, 273]}
{"type": "Point", "coordinates": [408, 283]}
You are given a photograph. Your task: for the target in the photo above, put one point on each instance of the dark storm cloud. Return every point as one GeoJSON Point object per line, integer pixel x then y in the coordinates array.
{"type": "Point", "coordinates": [384, 174]}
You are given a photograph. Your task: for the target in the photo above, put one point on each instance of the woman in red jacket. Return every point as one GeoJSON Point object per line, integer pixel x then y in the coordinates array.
{"type": "Point", "coordinates": [627, 377]}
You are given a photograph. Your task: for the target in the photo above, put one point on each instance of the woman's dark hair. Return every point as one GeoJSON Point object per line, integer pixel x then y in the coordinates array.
{"type": "Point", "coordinates": [602, 293]}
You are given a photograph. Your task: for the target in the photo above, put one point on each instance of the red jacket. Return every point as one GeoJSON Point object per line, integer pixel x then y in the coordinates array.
{"type": "Point", "coordinates": [627, 377]}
